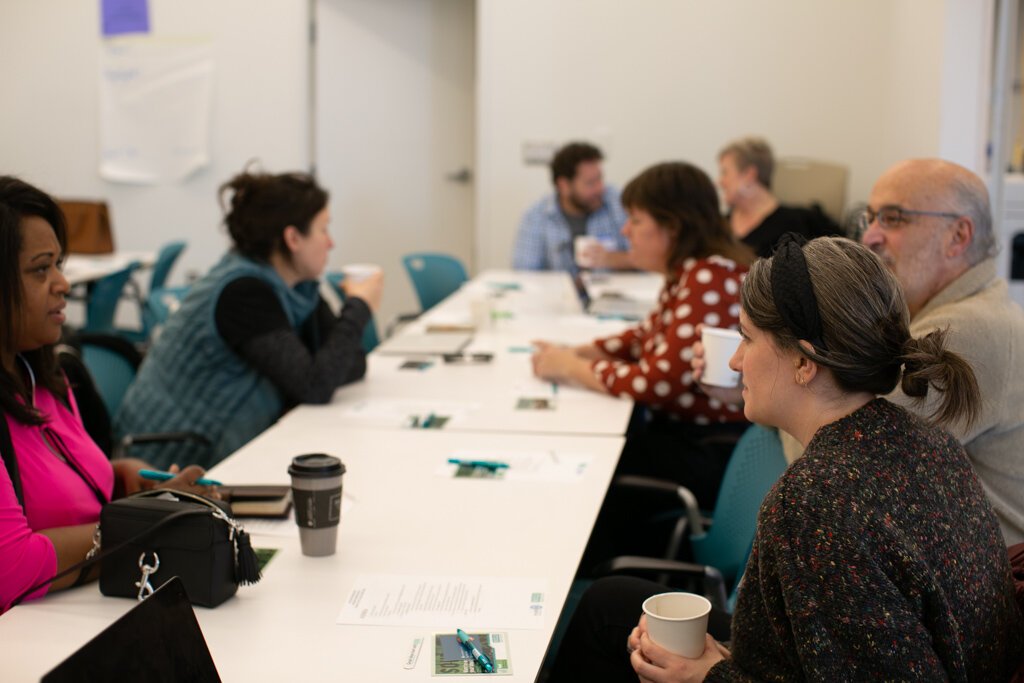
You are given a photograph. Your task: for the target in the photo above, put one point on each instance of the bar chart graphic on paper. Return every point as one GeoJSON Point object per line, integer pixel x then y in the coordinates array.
{"type": "Point", "coordinates": [397, 600]}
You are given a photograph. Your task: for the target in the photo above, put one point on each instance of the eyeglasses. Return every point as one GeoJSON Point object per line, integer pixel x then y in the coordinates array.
{"type": "Point", "coordinates": [891, 217]}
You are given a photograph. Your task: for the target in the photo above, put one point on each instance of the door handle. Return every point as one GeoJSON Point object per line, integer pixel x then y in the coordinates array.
{"type": "Point", "coordinates": [463, 175]}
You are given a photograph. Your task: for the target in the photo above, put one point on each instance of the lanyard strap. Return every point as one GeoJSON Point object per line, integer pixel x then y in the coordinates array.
{"type": "Point", "coordinates": [10, 461]}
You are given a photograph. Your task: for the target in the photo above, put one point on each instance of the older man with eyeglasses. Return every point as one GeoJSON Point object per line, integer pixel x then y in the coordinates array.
{"type": "Point", "coordinates": [931, 222]}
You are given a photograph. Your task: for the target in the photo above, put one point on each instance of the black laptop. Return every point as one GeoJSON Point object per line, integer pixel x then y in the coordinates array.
{"type": "Point", "coordinates": [157, 640]}
{"type": "Point", "coordinates": [608, 304]}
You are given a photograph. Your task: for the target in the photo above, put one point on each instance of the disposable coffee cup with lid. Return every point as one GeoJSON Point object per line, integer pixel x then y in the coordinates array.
{"type": "Point", "coordinates": [316, 491]}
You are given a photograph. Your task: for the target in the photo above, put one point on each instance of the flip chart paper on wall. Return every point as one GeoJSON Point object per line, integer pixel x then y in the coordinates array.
{"type": "Point", "coordinates": [155, 104]}
{"type": "Point", "coordinates": [124, 16]}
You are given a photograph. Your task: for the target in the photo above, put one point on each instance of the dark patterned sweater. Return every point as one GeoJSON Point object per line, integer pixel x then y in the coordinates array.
{"type": "Point", "coordinates": [877, 557]}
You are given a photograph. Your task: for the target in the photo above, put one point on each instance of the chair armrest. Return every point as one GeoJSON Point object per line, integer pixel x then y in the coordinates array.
{"type": "Point", "coordinates": [122, 447]}
{"type": "Point", "coordinates": [693, 515]}
{"type": "Point", "coordinates": [664, 571]}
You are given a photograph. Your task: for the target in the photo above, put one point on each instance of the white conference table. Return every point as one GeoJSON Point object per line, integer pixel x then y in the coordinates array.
{"type": "Point", "coordinates": [407, 515]}
{"type": "Point", "coordinates": [83, 268]}
{"type": "Point", "coordinates": [405, 519]}
{"type": "Point", "coordinates": [484, 397]}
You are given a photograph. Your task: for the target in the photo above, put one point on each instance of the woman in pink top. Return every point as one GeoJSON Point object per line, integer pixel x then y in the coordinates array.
{"type": "Point", "coordinates": [50, 506]}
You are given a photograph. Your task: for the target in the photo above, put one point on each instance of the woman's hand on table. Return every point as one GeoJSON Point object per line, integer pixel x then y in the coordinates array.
{"type": "Point", "coordinates": [129, 481]}
{"type": "Point", "coordinates": [552, 362]}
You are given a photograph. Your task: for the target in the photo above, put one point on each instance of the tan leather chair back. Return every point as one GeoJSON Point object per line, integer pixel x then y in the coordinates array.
{"type": "Point", "coordinates": [88, 227]}
{"type": "Point", "coordinates": [803, 182]}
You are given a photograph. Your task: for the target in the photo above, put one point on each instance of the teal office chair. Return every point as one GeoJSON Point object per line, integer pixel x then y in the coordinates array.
{"type": "Point", "coordinates": [154, 308]}
{"type": "Point", "coordinates": [719, 547]}
{"type": "Point", "coordinates": [434, 276]}
{"type": "Point", "coordinates": [159, 305]}
{"type": "Point", "coordinates": [100, 368]}
{"type": "Point", "coordinates": [103, 297]}
{"type": "Point", "coordinates": [165, 260]}
{"type": "Point", "coordinates": [112, 362]}
{"type": "Point", "coordinates": [370, 338]}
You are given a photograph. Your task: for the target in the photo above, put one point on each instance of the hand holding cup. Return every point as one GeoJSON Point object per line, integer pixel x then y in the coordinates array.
{"type": "Point", "coordinates": [698, 363]}
{"type": "Point", "coordinates": [365, 281]}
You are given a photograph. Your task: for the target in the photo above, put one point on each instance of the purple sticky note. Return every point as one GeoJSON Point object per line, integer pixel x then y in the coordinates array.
{"type": "Point", "coordinates": [124, 16]}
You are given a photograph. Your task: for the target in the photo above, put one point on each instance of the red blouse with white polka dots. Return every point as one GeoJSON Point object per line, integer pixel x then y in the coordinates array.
{"type": "Point", "coordinates": [651, 362]}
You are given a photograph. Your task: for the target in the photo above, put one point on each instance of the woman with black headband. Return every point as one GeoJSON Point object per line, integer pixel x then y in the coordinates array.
{"type": "Point", "coordinates": [877, 555]}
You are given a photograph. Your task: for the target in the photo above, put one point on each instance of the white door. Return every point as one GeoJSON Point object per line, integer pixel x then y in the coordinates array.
{"type": "Point", "coordinates": [394, 122]}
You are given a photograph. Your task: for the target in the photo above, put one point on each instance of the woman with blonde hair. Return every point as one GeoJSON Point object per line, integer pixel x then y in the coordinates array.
{"type": "Point", "coordinates": [756, 217]}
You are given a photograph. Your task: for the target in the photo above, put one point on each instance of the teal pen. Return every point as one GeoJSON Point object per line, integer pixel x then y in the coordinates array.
{"type": "Point", "coordinates": [489, 464]}
{"type": "Point", "coordinates": [554, 388]}
{"type": "Point", "coordinates": [479, 656]}
{"type": "Point", "coordinates": [521, 349]}
{"type": "Point", "coordinates": [153, 475]}
{"type": "Point", "coordinates": [428, 421]}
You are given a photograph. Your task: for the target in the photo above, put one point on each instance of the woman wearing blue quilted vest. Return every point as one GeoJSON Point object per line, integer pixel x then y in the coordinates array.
{"type": "Point", "coordinates": [253, 337]}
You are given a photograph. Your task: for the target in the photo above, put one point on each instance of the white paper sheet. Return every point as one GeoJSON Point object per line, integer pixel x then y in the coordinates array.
{"type": "Point", "coordinates": [155, 108]}
{"type": "Point", "coordinates": [396, 412]}
{"type": "Point", "coordinates": [447, 602]}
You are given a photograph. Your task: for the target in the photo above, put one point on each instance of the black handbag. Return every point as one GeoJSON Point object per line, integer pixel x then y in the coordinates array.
{"type": "Point", "coordinates": [159, 534]}
{"type": "Point", "coordinates": [160, 531]}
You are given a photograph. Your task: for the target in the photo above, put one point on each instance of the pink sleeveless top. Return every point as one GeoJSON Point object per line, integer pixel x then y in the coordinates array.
{"type": "Point", "coordinates": [56, 495]}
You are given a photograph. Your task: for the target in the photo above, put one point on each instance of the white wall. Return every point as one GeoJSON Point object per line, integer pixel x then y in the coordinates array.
{"type": "Point", "coordinates": [966, 82]}
{"type": "Point", "coordinates": [49, 127]}
{"type": "Point", "coordinates": [394, 116]}
{"type": "Point", "coordinates": [856, 82]}
{"type": "Point", "coordinates": [865, 82]}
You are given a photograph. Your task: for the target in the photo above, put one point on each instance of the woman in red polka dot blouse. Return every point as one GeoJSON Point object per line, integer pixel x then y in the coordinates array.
{"type": "Point", "coordinates": [675, 228]}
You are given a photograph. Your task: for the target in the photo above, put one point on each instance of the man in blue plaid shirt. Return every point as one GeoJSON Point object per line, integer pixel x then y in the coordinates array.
{"type": "Point", "coordinates": [580, 205]}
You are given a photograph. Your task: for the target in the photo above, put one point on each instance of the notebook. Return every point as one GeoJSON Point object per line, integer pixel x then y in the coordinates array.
{"type": "Point", "coordinates": [157, 640]}
{"type": "Point", "coordinates": [270, 501]}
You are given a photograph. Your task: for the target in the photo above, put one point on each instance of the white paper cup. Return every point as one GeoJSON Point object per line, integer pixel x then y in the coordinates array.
{"type": "Point", "coordinates": [481, 312]}
{"type": "Point", "coordinates": [719, 346]}
{"type": "Point", "coordinates": [580, 246]}
{"type": "Point", "coordinates": [357, 272]}
{"type": "Point", "coordinates": [678, 622]}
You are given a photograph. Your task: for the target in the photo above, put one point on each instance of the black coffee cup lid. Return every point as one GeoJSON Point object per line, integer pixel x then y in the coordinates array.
{"type": "Point", "coordinates": [316, 465]}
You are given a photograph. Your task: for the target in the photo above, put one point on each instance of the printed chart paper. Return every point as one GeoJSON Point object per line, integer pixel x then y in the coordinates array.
{"type": "Point", "coordinates": [446, 602]}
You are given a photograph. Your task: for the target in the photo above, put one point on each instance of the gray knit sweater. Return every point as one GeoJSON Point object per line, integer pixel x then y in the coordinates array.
{"type": "Point", "coordinates": [877, 557]}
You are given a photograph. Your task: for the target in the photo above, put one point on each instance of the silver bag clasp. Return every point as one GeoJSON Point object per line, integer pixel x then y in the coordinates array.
{"type": "Point", "coordinates": [143, 584]}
